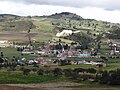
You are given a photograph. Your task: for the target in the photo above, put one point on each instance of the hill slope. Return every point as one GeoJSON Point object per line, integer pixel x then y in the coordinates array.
{"type": "Point", "coordinates": [48, 26]}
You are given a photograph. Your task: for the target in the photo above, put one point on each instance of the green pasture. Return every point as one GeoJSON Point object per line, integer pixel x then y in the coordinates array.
{"type": "Point", "coordinates": [17, 77]}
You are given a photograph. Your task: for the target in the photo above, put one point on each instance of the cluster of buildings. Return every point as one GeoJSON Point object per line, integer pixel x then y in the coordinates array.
{"type": "Point", "coordinates": [115, 48]}
{"type": "Point", "coordinates": [62, 53]}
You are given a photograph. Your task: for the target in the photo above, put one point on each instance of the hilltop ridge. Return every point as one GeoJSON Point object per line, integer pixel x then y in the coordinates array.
{"type": "Point", "coordinates": [64, 15]}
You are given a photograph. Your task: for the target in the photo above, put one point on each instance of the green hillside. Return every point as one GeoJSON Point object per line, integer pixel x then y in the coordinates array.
{"type": "Point", "coordinates": [47, 26]}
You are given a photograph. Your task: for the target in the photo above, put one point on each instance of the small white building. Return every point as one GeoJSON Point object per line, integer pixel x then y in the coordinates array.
{"type": "Point", "coordinates": [64, 33]}
{"type": "Point", "coordinates": [3, 41]}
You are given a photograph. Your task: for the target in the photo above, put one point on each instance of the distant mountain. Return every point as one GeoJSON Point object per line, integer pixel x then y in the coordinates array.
{"type": "Point", "coordinates": [64, 15]}
{"type": "Point", "coordinates": [8, 16]}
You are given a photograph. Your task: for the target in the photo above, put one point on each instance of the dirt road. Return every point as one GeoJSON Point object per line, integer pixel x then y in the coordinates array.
{"type": "Point", "coordinates": [6, 87]}
{"type": "Point", "coordinates": [42, 86]}
{"type": "Point", "coordinates": [56, 86]}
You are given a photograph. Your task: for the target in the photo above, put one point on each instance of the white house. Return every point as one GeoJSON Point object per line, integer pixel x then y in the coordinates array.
{"type": "Point", "coordinates": [3, 41]}
{"type": "Point", "coordinates": [64, 33]}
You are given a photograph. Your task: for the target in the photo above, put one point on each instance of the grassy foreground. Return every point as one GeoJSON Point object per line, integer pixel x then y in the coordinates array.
{"type": "Point", "coordinates": [14, 78]}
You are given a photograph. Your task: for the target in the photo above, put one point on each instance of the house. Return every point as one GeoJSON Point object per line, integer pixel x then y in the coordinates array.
{"type": "Point", "coordinates": [27, 51]}
{"type": "Point", "coordinates": [64, 33]}
{"type": "Point", "coordinates": [4, 43]}
{"type": "Point", "coordinates": [83, 55]}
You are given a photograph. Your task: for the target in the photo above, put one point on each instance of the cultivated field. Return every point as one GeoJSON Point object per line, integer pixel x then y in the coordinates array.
{"type": "Point", "coordinates": [16, 36]}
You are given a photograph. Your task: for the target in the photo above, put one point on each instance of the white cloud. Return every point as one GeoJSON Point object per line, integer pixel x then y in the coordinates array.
{"type": "Point", "coordinates": [101, 14]}
{"type": "Point", "coordinates": [106, 4]}
{"type": "Point", "coordinates": [33, 9]}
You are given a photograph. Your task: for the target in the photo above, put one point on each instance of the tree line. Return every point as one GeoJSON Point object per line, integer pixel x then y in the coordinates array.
{"type": "Point", "coordinates": [111, 77]}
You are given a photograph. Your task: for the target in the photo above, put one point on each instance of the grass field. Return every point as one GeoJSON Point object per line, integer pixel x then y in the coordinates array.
{"type": "Point", "coordinates": [10, 36]}
{"type": "Point", "coordinates": [48, 82]}
{"type": "Point", "coordinates": [16, 77]}
{"type": "Point", "coordinates": [10, 52]}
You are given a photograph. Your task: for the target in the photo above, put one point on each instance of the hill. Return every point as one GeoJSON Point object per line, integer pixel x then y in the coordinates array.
{"type": "Point", "coordinates": [48, 26]}
{"type": "Point", "coordinates": [64, 15]}
{"type": "Point", "coordinates": [8, 17]}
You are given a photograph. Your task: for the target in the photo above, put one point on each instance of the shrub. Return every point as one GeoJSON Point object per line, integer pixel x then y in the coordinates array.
{"type": "Point", "coordinates": [68, 72]}
{"type": "Point", "coordinates": [34, 70]}
{"type": "Point", "coordinates": [57, 72]}
{"type": "Point", "coordinates": [91, 70]}
{"type": "Point", "coordinates": [26, 71]}
{"type": "Point", "coordinates": [40, 72]}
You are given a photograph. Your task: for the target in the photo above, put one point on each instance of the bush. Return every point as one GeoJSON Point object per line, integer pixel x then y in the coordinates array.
{"type": "Point", "coordinates": [111, 77]}
{"type": "Point", "coordinates": [40, 72]}
{"type": "Point", "coordinates": [26, 71]}
{"type": "Point", "coordinates": [78, 70]}
{"type": "Point", "coordinates": [91, 70]}
{"type": "Point", "coordinates": [57, 72]}
{"type": "Point", "coordinates": [34, 70]}
{"type": "Point", "coordinates": [68, 72]}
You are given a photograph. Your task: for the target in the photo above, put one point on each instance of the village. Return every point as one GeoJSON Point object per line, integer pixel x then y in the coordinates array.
{"type": "Point", "coordinates": [61, 53]}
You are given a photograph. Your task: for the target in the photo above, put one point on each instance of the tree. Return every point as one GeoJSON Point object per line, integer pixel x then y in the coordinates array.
{"type": "Point", "coordinates": [66, 46]}
{"type": "Point", "coordinates": [110, 45]}
{"type": "Point", "coordinates": [68, 72]}
{"type": "Point", "coordinates": [58, 47]}
{"type": "Point", "coordinates": [112, 77]}
{"type": "Point", "coordinates": [57, 72]}
{"type": "Point", "coordinates": [26, 71]}
{"type": "Point", "coordinates": [2, 54]}
{"type": "Point", "coordinates": [34, 70]}
{"type": "Point", "coordinates": [74, 27]}
{"type": "Point", "coordinates": [91, 70]}
{"type": "Point", "coordinates": [13, 67]}
{"type": "Point", "coordinates": [30, 26]}
{"type": "Point", "coordinates": [1, 60]}
{"type": "Point", "coordinates": [114, 33]}
{"type": "Point", "coordinates": [22, 68]}
{"type": "Point", "coordinates": [97, 42]}
{"type": "Point", "coordinates": [82, 38]}
{"type": "Point", "coordinates": [103, 79]}
{"type": "Point", "coordinates": [29, 17]}
{"type": "Point", "coordinates": [79, 70]}
{"type": "Point", "coordinates": [99, 45]}
{"type": "Point", "coordinates": [105, 59]}
{"type": "Point", "coordinates": [88, 32]}
{"type": "Point", "coordinates": [40, 72]}
{"type": "Point", "coordinates": [88, 24]}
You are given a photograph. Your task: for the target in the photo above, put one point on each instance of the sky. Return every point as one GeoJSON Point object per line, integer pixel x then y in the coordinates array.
{"type": "Point", "coordinates": [105, 10]}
